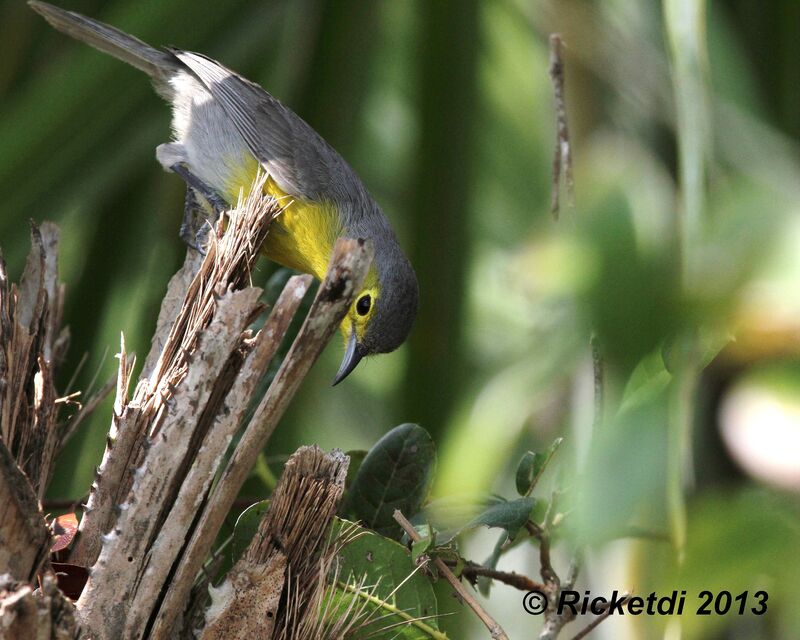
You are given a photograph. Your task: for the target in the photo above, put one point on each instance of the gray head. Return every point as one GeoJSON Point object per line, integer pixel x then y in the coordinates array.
{"type": "Point", "coordinates": [383, 312]}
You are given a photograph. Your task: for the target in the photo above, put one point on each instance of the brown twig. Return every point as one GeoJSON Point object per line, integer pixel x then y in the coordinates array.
{"type": "Point", "coordinates": [551, 580]}
{"type": "Point", "coordinates": [533, 529]}
{"type": "Point", "coordinates": [473, 570]}
{"type": "Point", "coordinates": [494, 628]}
{"type": "Point", "coordinates": [553, 586]}
{"type": "Point", "coordinates": [562, 156]}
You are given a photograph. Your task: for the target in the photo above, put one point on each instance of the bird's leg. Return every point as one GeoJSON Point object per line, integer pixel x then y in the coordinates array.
{"type": "Point", "coordinates": [195, 224]}
{"type": "Point", "coordinates": [216, 201]}
{"type": "Point", "coordinates": [173, 156]}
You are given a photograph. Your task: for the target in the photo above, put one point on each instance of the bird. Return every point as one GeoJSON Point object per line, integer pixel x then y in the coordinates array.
{"type": "Point", "coordinates": [226, 130]}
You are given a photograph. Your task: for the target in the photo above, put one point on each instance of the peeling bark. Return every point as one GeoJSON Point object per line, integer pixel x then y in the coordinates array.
{"type": "Point", "coordinates": [28, 614]}
{"type": "Point", "coordinates": [24, 537]}
{"type": "Point", "coordinates": [32, 345]}
{"type": "Point", "coordinates": [167, 479]}
{"type": "Point", "coordinates": [291, 536]}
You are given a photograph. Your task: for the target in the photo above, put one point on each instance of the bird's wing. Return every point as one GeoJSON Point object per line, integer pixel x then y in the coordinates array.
{"type": "Point", "coordinates": [296, 156]}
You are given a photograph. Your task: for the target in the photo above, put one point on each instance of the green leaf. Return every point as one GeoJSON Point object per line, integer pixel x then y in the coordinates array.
{"type": "Point", "coordinates": [395, 474]}
{"type": "Point", "coordinates": [246, 527]}
{"type": "Point", "coordinates": [511, 516]}
{"type": "Point", "coordinates": [380, 574]}
{"type": "Point", "coordinates": [427, 541]}
{"type": "Point", "coordinates": [648, 379]}
{"type": "Point", "coordinates": [742, 539]}
{"type": "Point", "coordinates": [484, 583]}
{"type": "Point", "coordinates": [453, 516]}
{"type": "Point", "coordinates": [532, 466]}
{"type": "Point", "coordinates": [419, 548]}
{"type": "Point", "coordinates": [701, 345]}
{"type": "Point", "coordinates": [653, 373]}
{"type": "Point", "coordinates": [525, 473]}
{"type": "Point", "coordinates": [635, 299]}
{"type": "Point", "coordinates": [627, 460]}
{"type": "Point", "coordinates": [264, 473]}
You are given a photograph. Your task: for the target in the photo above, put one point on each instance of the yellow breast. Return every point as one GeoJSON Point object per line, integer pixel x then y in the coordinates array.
{"type": "Point", "coordinates": [303, 234]}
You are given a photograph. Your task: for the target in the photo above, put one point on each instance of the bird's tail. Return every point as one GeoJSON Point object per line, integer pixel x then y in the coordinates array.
{"type": "Point", "coordinates": [157, 64]}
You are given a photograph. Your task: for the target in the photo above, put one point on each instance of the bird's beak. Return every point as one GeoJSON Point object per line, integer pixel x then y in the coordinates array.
{"type": "Point", "coordinates": [352, 356]}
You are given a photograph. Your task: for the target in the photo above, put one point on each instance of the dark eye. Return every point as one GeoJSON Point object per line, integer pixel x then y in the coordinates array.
{"type": "Point", "coordinates": [363, 305]}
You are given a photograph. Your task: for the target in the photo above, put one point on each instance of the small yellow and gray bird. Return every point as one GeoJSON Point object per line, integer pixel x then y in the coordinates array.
{"type": "Point", "coordinates": [227, 129]}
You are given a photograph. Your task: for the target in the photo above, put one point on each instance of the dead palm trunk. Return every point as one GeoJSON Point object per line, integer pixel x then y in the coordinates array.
{"type": "Point", "coordinates": [165, 484]}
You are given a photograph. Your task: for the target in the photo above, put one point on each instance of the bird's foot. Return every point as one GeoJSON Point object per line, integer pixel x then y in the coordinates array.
{"type": "Point", "coordinates": [195, 225]}
{"type": "Point", "coordinates": [214, 199]}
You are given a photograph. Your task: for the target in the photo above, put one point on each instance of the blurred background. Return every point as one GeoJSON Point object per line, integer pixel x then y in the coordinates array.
{"type": "Point", "coordinates": [682, 254]}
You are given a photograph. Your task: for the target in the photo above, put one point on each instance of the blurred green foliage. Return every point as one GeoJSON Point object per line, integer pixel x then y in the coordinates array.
{"type": "Point", "coordinates": [445, 110]}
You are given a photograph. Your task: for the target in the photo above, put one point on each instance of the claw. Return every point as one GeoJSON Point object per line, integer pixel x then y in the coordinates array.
{"type": "Point", "coordinates": [193, 213]}
{"type": "Point", "coordinates": [201, 237]}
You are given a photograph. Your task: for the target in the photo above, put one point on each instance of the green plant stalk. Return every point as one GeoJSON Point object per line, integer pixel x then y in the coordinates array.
{"type": "Point", "coordinates": [264, 473]}
{"type": "Point", "coordinates": [686, 32]}
{"type": "Point", "coordinates": [412, 621]}
{"type": "Point", "coordinates": [681, 410]}
{"type": "Point", "coordinates": [685, 22]}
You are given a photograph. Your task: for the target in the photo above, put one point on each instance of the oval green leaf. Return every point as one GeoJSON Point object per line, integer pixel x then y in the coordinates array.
{"type": "Point", "coordinates": [396, 474]}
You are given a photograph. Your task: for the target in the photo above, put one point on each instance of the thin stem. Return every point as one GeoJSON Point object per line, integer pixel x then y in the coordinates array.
{"type": "Point", "coordinates": [596, 622]}
{"type": "Point", "coordinates": [685, 22]}
{"type": "Point", "coordinates": [519, 581]}
{"type": "Point", "coordinates": [598, 369]}
{"type": "Point", "coordinates": [679, 451]}
{"type": "Point", "coordinates": [549, 575]}
{"type": "Point", "coordinates": [491, 624]}
{"type": "Point", "coordinates": [562, 155]}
